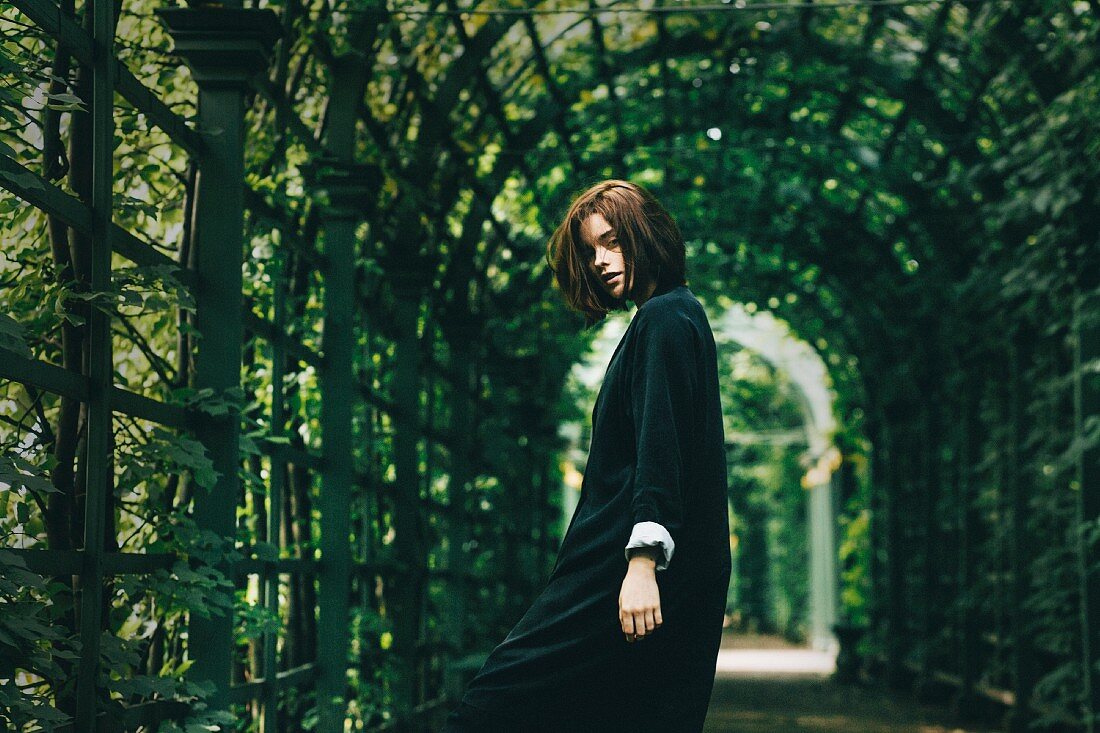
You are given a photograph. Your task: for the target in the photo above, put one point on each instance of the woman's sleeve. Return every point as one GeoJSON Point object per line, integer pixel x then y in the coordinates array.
{"type": "Point", "coordinates": [663, 391]}
{"type": "Point", "coordinates": [651, 534]}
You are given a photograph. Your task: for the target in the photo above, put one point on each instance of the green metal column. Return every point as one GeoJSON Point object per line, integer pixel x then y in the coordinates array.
{"type": "Point", "coordinates": [224, 48]}
{"type": "Point", "coordinates": [462, 328]}
{"type": "Point", "coordinates": [269, 700]}
{"type": "Point", "coordinates": [966, 610]}
{"type": "Point", "coordinates": [343, 187]}
{"type": "Point", "coordinates": [346, 185]}
{"type": "Point", "coordinates": [1022, 660]}
{"type": "Point", "coordinates": [407, 284]}
{"type": "Point", "coordinates": [896, 508]}
{"type": "Point", "coordinates": [337, 390]}
{"type": "Point", "coordinates": [461, 333]}
{"type": "Point", "coordinates": [1087, 409]}
{"type": "Point", "coordinates": [927, 479]}
{"type": "Point", "coordinates": [877, 500]}
{"type": "Point", "coordinates": [99, 445]}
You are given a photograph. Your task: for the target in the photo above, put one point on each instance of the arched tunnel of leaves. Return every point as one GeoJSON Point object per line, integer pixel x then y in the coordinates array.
{"type": "Point", "coordinates": [914, 188]}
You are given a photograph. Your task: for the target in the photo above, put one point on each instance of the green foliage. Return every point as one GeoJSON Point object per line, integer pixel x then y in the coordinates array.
{"type": "Point", "coordinates": [913, 189]}
{"type": "Point", "coordinates": [201, 719]}
{"type": "Point", "coordinates": [35, 650]}
{"type": "Point", "coordinates": [769, 589]}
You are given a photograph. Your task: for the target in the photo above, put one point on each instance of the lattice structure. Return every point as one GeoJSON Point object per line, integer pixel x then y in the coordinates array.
{"type": "Point", "coordinates": [313, 339]}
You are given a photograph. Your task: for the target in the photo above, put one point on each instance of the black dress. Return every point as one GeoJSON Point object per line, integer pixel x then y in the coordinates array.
{"type": "Point", "coordinates": [657, 454]}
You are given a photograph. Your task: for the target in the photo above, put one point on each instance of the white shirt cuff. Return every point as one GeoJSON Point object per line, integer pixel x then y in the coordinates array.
{"type": "Point", "coordinates": [650, 534]}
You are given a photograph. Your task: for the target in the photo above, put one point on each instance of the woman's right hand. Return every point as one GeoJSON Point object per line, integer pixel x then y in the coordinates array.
{"type": "Point", "coordinates": [640, 597]}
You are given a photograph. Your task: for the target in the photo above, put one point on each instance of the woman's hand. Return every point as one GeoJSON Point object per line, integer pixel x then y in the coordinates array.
{"type": "Point", "coordinates": [640, 598]}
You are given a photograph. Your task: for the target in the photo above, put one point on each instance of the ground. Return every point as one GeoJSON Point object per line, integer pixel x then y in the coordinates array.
{"type": "Point", "coordinates": [767, 686]}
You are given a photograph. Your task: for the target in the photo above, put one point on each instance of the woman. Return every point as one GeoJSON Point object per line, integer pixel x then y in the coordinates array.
{"type": "Point", "coordinates": [623, 637]}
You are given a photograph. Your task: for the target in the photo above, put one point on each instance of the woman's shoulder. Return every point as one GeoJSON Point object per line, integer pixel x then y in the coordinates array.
{"type": "Point", "coordinates": [675, 316]}
{"type": "Point", "coordinates": [676, 305]}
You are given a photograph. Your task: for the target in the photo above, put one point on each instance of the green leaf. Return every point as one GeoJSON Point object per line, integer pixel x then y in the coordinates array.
{"type": "Point", "coordinates": [21, 473]}
{"type": "Point", "coordinates": [66, 102]}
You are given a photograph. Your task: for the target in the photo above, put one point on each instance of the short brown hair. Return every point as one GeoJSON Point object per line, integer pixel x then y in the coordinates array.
{"type": "Point", "coordinates": [650, 240]}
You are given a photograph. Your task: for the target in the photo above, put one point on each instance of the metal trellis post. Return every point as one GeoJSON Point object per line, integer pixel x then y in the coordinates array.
{"type": "Point", "coordinates": [346, 185]}
{"type": "Point", "coordinates": [224, 47]}
{"type": "Point", "coordinates": [99, 444]}
{"type": "Point", "coordinates": [407, 285]}
{"type": "Point", "coordinates": [1087, 408]}
{"type": "Point", "coordinates": [345, 188]}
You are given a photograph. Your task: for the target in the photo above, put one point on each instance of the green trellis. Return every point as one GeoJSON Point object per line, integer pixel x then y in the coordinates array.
{"type": "Point", "coordinates": [224, 48]}
{"type": "Point", "coordinates": [409, 196]}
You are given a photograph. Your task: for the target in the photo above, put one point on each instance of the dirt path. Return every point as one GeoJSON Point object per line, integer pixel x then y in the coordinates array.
{"type": "Point", "coordinates": [766, 686]}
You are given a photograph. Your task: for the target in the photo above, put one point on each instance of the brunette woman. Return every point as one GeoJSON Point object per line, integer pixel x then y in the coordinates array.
{"type": "Point", "coordinates": [625, 634]}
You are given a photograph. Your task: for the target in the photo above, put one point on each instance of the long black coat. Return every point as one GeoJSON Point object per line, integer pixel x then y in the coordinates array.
{"type": "Point", "coordinates": [657, 454]}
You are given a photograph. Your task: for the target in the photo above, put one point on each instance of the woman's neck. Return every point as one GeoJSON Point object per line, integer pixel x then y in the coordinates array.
{"type": "Point", "coordinates": [647, 291]}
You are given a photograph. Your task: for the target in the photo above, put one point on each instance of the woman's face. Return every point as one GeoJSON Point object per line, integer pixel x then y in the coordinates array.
{"type": "Point", "coordinates": [604, 255]}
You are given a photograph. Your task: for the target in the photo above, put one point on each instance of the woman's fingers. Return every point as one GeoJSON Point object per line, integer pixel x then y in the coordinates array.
{"type": "Point", "coordinates": [633, 624]}
{"type": "Point", "coordinates": [640, 623]}
{"type": "Point", "coordinates": [628, 625]}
